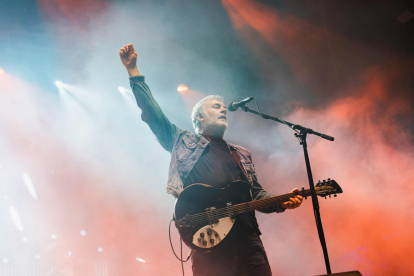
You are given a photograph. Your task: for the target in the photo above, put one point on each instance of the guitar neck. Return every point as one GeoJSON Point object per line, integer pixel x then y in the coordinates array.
{"type": "Point", "coordinates": [266, 202]}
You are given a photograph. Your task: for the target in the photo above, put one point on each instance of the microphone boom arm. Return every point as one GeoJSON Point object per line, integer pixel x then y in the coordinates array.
{"type": "Point", "coordinates": [301, 133]}
{"type": "Point", "coordinates": [292, 126]}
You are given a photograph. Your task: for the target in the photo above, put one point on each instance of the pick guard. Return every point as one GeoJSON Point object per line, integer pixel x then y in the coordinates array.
{"type": "Point", "coordinates": [211, 235]}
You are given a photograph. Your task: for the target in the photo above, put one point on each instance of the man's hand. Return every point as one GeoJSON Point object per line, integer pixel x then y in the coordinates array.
{"type": "Point", "coordinates": [129, 59]}
{"type": "Point", "coordinates": [294, 202]}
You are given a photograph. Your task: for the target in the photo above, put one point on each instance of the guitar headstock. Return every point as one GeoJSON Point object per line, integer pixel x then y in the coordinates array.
{"type": "Point", "coordinates": [327, 188]}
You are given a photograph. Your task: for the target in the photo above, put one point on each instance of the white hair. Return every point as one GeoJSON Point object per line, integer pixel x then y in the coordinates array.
{"type": "Point", "coordinates": [200, 108]}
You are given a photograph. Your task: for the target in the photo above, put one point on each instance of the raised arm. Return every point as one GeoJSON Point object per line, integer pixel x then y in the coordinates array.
{"type": "Point", "coordinates": [164, 130]}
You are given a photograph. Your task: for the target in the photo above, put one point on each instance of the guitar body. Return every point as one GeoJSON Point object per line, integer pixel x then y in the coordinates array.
{"type": "Point", "coordinates": [205, 231]}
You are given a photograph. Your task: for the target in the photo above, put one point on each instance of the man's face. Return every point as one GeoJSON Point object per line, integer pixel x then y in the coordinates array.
{"type": "Point", "coordinates": [215, 117]}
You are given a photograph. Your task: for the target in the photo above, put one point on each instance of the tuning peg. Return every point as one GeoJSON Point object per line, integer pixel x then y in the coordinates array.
{"type": "Point", "coordinates": [319, 181]}
{"type": "Point", "coordinates": [329, 179]}
{"type": "Point", "coordinates": [334, 195]}
{"type": "Point", "coordinates": [329, 196]}
{"type": "Point", "coordinates": [324, 181]}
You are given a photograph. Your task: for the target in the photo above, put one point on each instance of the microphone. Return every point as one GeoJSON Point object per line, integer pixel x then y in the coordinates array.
{"type": "Point", "coordinates": [235, 105]}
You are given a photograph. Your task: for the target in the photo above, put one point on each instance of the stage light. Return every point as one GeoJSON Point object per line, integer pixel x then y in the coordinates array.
{"type": "Point", "coordinates": [24, 239]}
{"type": "Point", "coordinates": [121, 89]}
{"type": "Point", "coordinates": [5, 260]}
{"type": "Point", "coordinates": [54, 236]}
{"type": "Point", "coordinates": [182, 88]}
{"type": "Point", "coordinates": [37, 257]}
{"type": "Point", "coordinates": [59, 83]}
{"type": "Point", "coordinates": [29, 185]}
{"type": "Point", "coordinates": [16, 218]}
{"type": "Point", "coordinates": [141, 260]}
{"type": "Point", "coordinates": [100, 249]}
{"type": "Point", "coordinates": [82, 233]}
{"type": "Point", "coordinates": [1, 71]}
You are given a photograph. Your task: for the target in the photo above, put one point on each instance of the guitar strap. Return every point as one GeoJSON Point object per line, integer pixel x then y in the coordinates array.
{"type": "Point", "coordinates": [237, 157]}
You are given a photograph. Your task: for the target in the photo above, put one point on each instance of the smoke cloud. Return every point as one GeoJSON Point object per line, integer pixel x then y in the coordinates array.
{"type": "Point", "coordinates": [96, 167]}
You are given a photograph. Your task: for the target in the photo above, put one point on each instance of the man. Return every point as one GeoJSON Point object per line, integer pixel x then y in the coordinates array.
{"type": "Point", "coordinates": [204, 157]}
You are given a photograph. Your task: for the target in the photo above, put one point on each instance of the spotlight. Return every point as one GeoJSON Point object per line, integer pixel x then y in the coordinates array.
{"type": "Point", "coordinates": [121, 89]}
{"type": "Point", "coordinates": [5, 260]}
{"type": "Point", "coordinates": [16, 218]}
{"type": "Point", "coordinates": [54, 236]}
{"type": "Point", "coordinates": [182, 88]}
{"type": "Point", "coordinates": [59, 83]}
{"type": "Point", "coordinates": [1, 71]}
{"type": "Point", "coordinates": [140, 260]}
{"type": "Point", "coordinates": [82, 233]}
{"type": "Point", "coordinates": [29, 185]}
{"type": "Point", "coordinates": [100, 249]}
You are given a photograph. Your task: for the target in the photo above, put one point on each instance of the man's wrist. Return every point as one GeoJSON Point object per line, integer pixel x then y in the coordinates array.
{"type": "Point", "coordinates": [133, 72]}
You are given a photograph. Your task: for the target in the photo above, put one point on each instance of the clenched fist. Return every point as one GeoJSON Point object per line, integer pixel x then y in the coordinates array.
{"type": "Point", "coordinates": [129, 59]}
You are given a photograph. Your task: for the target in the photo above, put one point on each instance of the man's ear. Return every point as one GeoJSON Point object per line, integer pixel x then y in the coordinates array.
{"type": "Point", "coordinates": [200, 117]}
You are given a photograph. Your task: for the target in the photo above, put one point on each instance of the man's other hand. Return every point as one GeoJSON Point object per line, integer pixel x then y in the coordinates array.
{"type": "Point", "coordinates": [294, 202]}
{"type": "Point", "coordinates": [129, 59]}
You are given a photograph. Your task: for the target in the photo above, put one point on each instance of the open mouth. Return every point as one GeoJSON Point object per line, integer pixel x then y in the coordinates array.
{"type": "Point", "coordinates": [223, 117]}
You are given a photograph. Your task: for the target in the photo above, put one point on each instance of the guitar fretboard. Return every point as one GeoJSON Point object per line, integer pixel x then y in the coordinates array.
{"type": "Point", "coordinates": [266, 202]}
{"type": "Point", "coordinates": [213, 215]}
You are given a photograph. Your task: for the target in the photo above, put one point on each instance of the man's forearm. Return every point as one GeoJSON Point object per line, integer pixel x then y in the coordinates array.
{"type": "Point", "coordinates": [164, 130]}
{"type": "Point", "coordinates": [259, 193]}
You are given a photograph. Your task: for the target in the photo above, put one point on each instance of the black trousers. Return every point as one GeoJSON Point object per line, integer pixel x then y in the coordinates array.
{"type": "Point", "coordinates": [240, 255]}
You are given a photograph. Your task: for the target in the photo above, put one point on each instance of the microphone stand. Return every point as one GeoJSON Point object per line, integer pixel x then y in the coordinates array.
{"type": "Point", "coordinates": [301, 133]}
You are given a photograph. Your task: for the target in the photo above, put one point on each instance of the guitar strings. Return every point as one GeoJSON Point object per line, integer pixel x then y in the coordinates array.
{"type": "Point", "coordinates": [239, 208]}
{"type": "Point", "coordinates": [204, 218]}
{"type": "Point", "coordinates": [223, 212]}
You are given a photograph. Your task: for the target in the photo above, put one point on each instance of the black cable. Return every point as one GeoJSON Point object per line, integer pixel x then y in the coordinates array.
{"type": "Point", "coordinates": [181, 242]}
{"type": "Point", "coordinates": [182, 263]}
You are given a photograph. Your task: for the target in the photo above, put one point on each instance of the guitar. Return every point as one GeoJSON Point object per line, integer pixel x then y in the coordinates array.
{"type": "Point", "coordinates": [205, 215]}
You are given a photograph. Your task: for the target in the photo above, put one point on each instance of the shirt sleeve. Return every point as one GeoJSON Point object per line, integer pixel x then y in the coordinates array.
{"type": "Point", "coordinates": [165, 132]}
{"type": "Point", "coordinates": [259, 193]}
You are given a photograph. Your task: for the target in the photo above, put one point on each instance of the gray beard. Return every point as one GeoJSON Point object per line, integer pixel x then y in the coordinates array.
{"type": "Point", "coordinates": [215, 131]}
